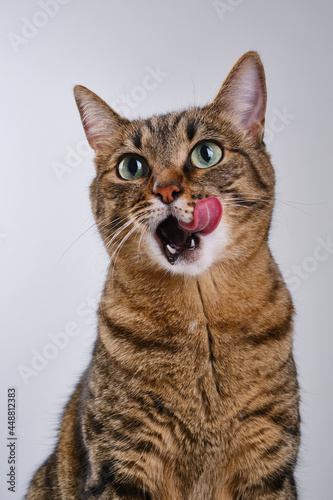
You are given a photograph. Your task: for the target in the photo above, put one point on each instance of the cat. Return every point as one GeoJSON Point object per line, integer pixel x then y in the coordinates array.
{"type": "Point", "coordinates": [191, 393]}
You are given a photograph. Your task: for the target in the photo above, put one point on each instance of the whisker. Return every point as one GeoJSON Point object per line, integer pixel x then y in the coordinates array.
{"type": "Point", "coordinates": [108, 243]}
{"type": "Point", "coordinates": [143, 232]}
{"type": "Point", "coordinates": [121, 228]}
{"type": "Point", "coordinates": [241, 206]}
{"type": "Point", "coordinates": [116, 253]}
{"type": "Point", "coordinates": [267, 199]}
{"type": "Point", "coordinates": [75, 241]}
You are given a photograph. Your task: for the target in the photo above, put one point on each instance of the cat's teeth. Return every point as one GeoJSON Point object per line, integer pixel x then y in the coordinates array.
{"type": "Point", "coordinates": [191, 242]}
{"type": "Point", "coordinates": [171, 250]}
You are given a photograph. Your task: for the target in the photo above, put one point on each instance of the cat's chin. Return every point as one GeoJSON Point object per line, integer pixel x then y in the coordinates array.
{"type": "Point", "coordinates": [192, 256]}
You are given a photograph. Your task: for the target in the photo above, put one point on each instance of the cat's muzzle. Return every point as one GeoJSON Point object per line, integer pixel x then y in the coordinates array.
{"type": "Point", "coordinates": [174, 240]}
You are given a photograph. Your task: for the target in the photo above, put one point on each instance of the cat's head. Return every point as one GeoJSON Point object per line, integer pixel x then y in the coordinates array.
{"type": "Point", "coordinates": [154, 177]}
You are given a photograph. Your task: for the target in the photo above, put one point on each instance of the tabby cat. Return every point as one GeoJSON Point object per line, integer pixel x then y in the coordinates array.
{"type": "Point", "coordinates": [191, 393]}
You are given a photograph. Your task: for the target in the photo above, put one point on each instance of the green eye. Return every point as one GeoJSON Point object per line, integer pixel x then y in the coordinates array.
{"type": "Point", "coordinates": [132, 167]}
{"type": "Point", "coordinates": [206, 154]}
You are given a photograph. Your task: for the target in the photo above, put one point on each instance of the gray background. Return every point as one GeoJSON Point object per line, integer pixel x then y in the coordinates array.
{"type": "Point", "coordinates": [52, 261]}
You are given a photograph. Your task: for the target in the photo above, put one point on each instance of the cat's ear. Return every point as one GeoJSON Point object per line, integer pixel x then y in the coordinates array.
{"type": "Point", "coordinates": [99, 121]}
{"type": "Point", "coordinates": [243, 95]}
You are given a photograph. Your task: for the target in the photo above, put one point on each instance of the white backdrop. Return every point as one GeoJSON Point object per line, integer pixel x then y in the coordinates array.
{"type": "Point", "coordinates": [53, 264]}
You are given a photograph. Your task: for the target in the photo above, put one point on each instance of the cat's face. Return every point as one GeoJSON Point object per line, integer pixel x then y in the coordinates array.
{"type": "Point", "coordinates": [162, 183]}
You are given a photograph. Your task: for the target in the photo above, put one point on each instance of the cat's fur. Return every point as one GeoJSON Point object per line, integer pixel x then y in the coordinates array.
{"type": "Point", "coordinates": [191, 393]}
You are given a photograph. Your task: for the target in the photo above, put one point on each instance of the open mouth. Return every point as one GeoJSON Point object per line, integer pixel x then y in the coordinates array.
{"type": "Point", "coordinates": [175, 240]}
{"type": "Point", "coordinates": [179, 239]}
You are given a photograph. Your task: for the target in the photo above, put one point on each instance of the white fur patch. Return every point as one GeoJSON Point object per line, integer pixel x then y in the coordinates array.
{"type": "Point", "coordinates": [210, 251]}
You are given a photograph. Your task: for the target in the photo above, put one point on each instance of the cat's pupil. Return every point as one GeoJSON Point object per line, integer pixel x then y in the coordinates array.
{"type": "Point", "coordinates": [206, 153]}
{"type": "Point", "coordinates": [133, 166]}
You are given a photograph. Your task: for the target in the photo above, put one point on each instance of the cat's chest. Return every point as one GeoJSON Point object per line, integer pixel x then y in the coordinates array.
{"type": "Point", "coordinates": [185, 388]}
{"type": "Point", "coordinates": [169, 412]}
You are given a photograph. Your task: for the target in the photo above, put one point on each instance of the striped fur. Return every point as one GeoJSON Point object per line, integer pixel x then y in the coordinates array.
{"type": "Point", "coordinates": [191, 393]}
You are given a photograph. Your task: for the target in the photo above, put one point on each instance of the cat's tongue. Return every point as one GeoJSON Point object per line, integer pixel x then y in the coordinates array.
{"type": "Point", "coordinates": [206, 217]}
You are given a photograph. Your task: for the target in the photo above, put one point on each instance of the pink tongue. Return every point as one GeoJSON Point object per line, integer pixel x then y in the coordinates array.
{"type": "Point", "coordinates": [206, 217]}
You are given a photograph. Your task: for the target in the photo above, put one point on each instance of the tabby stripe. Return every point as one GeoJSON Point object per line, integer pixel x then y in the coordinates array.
{"type": "Point", "coordinates": [264, 411]}
{"type": "Point", "coordinates": [172, 422]}
{"type": "Point", "coordinates": [140, 199]}
{"type": "Point", "coordinates": [272, 483]}
{"type": "Point", "coordinates": [158, 405]}
{"type": "Point", "coordinates": [276, 286]}
{"type": "Point", "coordinates": [137, 138]}
{"type": "Point", "coordinates": [149, 125]}
{"type": "Point", "coordinates": [128, 487]}
{"type": "Point", "coordinates": [257, 177]}
{"type": "Point", "coordinates": [140, 207]}
{"type": "Point", "coordinates": [164, 117]}
{"type": "Point", "coordinates": [280, 420]}
{"type": "Point", "coordinates": [191, 129]}
{"type": "Point", "coordinates": [132, 337]}
{"type": "Point", "coordinates": [93, 424]}
{"type": "Point", "coordinates": [225, 185]}
{"type": "Point", "coordinates": [161, 408]}
{"type": "Point", "coordinates": [106, 475]}
{"type": "Point", "coordinates": [51, 473]}
{"type": "Point", "coordinates": [176, 121]}
{"type": "Point", "coordinates": [144, 446]}
{"type": "Point", "coordinates": [277, 333]}
{"type": "Point", "coordinates": [278, 370]}
{"type": "Point", "coordinates": [273, 450]}
{"type": "Point", "coordinates": [131, 490]}
{"type": "Point", "coordinates": [292, 484]}
{"type": "Point", "coordinates": [130, 425]}
{"type": "Point", "coordinates": [275, 481]}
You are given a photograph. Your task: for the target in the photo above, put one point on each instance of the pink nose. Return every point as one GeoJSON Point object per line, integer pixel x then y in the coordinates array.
{"type": "Point", "coordinates": [167, 193]}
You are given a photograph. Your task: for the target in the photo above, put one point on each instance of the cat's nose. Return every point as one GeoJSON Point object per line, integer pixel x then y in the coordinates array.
{"type": "Point", "coordinates": [168, 193]}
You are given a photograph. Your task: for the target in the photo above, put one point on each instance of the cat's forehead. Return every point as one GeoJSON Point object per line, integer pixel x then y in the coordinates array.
{"type": "Point", "coordinates": [170, 135]}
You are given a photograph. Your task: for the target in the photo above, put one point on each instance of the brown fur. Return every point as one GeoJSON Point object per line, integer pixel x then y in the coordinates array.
{"type": "Point", "coordinates": [191, 393]}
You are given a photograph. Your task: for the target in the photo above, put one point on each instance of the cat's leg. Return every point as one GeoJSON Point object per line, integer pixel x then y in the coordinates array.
{"type": "Point", "coordinates": [44, 485]}
{"type": "Point", "coordinates": [263, 467]}
{"type": "Point", "coordinates": [117, 491]}
{"type": "Point", "coordinates": [56, 479]}
{"type": "Point", "coordinates": [263, 452]}
{"type": "Point", "coordinates": [275, 489]}
{"type": "Point", "coordinates": [62, 474]}
{"type": "Point", "coordinates": [142, 482]}
{"type": "Point", "coordinates": [271, 490]}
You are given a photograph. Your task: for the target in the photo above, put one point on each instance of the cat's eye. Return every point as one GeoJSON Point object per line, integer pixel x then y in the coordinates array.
{"type": "Point", "coordinates": [206, 154]}
{"type": "Point", "coordinates": [132, 167]}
